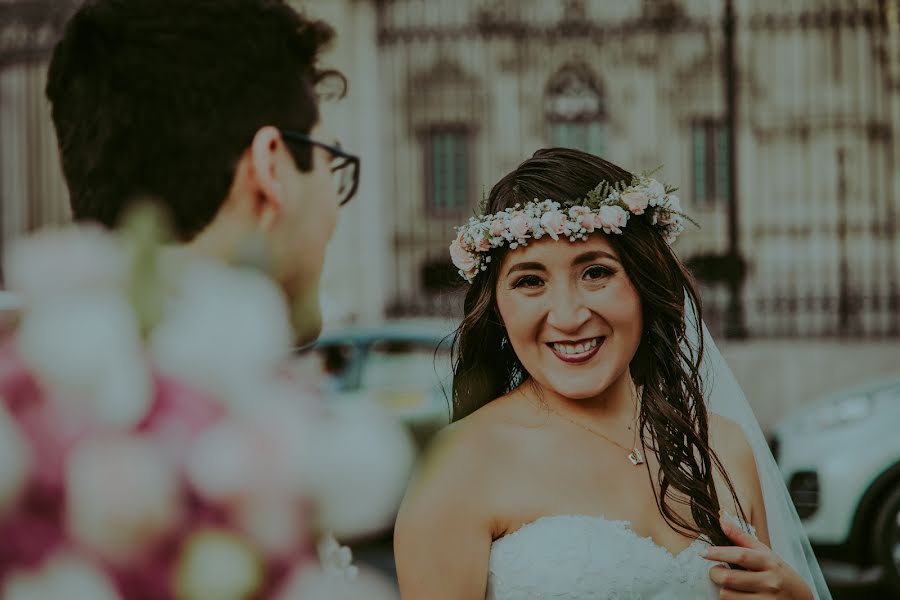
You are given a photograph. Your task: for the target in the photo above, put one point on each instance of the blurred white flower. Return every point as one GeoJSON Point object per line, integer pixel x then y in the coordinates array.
{"type": "Point", "coordinates": [272, 521]}
{"type": "Point", "coordinates": [225, 329]}
{"type": "Point", "coordinates": [216, 564]}
{"type": "Point", "coordinates": [223, 463]}
{"type": "Point", "coordinates": [63, 577]}
{"type": "Point", "coordinates": [362, 462]}
{"type": "Point", "coordinates": [220, 463]}
{"type": "Point", "coordinates": [87, 346]}
{"type": "Point", "coordinates": [15, 458]}
{"type": "Point", "coordinates": [313, 583]}
{"type": "Point", "coordinates": [53, 262]}
{"type": "Point", "coordinates": [335, 558]}
{"type": "Point", "coordinates": [122, 495]}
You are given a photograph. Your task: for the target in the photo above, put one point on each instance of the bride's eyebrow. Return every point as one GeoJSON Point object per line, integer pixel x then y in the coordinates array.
{"type": "Point", "coordinates": [586, 257]}
{"type": "Point", "coordinates": [525, 266]}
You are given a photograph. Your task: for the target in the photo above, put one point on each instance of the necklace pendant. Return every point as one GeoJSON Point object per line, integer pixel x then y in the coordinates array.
{"type": "Point", "coordinates": [636, 457]}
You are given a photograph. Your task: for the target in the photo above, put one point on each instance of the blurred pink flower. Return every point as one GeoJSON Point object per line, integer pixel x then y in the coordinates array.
{"type": "Point", "coordinates": [15, 461]}
{"type": "Point", "coordinates": [178, 414]}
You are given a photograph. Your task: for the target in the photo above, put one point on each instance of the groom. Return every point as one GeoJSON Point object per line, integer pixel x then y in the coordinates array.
{"type": "Point", "coordinates": [210, 108]}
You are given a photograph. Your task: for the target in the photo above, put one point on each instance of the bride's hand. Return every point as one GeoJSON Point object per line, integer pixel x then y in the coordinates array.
{"type": "Point", "coordinates": [766, 574]}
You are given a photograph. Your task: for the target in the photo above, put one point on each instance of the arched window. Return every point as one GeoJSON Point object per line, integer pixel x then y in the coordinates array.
{"type": "Point", "coordinates": [575, 110]}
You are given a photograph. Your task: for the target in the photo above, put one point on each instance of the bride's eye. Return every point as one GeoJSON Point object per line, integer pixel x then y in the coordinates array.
{"type": "Point", "coordinates": [597, 272]}
{"type": "Point", "coordinates": [528, 281]}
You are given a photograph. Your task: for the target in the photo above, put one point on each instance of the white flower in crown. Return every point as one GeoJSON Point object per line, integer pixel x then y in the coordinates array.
{"type": "Point", "coordinates": [607, 208]}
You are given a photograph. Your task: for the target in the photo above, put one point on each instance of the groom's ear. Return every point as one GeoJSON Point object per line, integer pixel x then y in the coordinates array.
{"type": "Point", "coordinates": [258, 191]}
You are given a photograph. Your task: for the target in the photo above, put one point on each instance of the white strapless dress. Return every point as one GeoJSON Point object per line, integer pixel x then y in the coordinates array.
{"type": "Point", "coordinates": [577, 557]}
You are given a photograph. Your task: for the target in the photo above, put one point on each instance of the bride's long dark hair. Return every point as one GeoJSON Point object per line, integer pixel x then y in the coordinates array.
{"type": "Point", "coordinates": [673, 415]}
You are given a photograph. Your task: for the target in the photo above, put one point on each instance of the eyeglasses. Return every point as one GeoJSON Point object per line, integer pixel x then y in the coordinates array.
{"type": "Point", "coordinates": [344, 166]}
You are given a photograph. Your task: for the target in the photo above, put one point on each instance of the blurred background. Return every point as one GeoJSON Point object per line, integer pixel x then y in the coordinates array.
{"type": "Point", "coordinates": [779, 120]}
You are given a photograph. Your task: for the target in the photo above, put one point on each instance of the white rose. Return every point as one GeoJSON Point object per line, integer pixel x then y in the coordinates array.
{"type": "Point", "coordinates": [87, 347]}
{"type": "Point", "coordinates": [363, 453]}
{"type": "Point", "coordinates": [122, 495]}
{"type": "Point", "coordinates": [226, 330]}
{"type": "Point", "coordinates": [57, 261]}
{"type": "Point", "coordinates": [63, 577]}
{"type": "Point", "coordinates": [314, 583]}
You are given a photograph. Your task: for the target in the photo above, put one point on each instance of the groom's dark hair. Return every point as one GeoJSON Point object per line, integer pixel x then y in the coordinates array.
{"type": "Point", "coordinates": [159, 98]}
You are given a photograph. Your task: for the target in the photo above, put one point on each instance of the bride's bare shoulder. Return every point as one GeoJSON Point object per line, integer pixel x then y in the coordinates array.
{"type": "Point", "coordinates": [731, 445]}
{"type": "Point", "coordinates": [729, 439]}
{"type": "Point", "coordinates": [482, 439]}
{"type": "Point", "coordinates": [457, 482]}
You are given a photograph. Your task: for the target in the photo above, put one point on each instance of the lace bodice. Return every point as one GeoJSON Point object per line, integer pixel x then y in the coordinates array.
{"type": "Point", "coordinates": [576, 557]}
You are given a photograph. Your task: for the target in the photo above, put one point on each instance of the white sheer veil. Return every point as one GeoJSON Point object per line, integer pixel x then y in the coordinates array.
{"type": "Point", "coordinates": [725, 397]}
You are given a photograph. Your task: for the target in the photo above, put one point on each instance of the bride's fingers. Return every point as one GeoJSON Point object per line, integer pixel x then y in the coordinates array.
{"type": "Point", "coordinates": [737, 534]}
{"type": "Point", "coordinates": [744, 581]}
{"type": "Point", "coordinates": [752, 560]}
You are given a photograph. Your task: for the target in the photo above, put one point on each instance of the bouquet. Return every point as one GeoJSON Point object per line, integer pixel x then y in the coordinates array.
{"type": "Point", "coordinates": [154, 443]}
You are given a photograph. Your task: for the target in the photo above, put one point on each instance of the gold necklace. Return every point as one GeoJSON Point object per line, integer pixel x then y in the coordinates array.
{"type": "Point", "coordinates": [634, 454]}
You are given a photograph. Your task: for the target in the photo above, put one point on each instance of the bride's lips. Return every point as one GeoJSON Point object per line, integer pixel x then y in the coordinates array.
{"type": "Point", "coordinates": [581, 357]}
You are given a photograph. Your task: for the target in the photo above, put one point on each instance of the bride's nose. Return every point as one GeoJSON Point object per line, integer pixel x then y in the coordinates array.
{"type": "Point", "coordinates": [567, 310]}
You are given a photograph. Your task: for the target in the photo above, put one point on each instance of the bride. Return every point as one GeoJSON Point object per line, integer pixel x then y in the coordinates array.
{"type": "Point", "coordinates": [591, 456]}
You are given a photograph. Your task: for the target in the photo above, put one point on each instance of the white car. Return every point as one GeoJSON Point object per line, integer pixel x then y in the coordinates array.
{"type": "Point", "coordinates": [840, 457]}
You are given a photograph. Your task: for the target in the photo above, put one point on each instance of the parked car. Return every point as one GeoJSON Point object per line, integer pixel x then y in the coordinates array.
{"type": "Point", "coordinates": [840, 457]}
{"type": "Point", "coordinates": [403, 365]}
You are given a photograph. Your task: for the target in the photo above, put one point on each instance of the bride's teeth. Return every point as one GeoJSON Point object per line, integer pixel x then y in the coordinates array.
{"type": "Point", "coordinates": [576, 348]}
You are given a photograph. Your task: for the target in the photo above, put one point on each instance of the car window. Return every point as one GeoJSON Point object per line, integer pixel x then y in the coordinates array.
{"type": "Point", "coordinates": [403, 364]}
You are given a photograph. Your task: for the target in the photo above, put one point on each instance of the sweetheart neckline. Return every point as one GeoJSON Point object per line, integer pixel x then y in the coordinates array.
{"type": "Point", "coordinates": [625, 525]}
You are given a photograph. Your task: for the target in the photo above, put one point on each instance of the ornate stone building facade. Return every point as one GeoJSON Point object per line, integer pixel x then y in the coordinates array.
{"type": "Point", "coordinates": [799, 216]}
{"type": "Point", "coordinates": [810, 238]}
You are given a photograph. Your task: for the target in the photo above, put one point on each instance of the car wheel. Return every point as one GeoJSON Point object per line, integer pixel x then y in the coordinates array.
{"type": "Point", "coordinates": [887, 539]}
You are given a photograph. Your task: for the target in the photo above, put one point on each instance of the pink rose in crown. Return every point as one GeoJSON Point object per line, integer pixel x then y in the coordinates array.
{"type": "Point", "coordinates": [483, 244]}
{"type": "Point", "coordinates": [613, 218]}
{"type": "Point", "coordinates": [518, 225]}
{"type": "Point", "coordinates": [461, 240]}
{"type": "Point", "coordinates": [554, 223]}
{"type": "Point", "coordinates": [498, 226]}
{"type": "Point", "coordinates": [463, 259]}
{"type": "Point", "coordinates": [637, 202]}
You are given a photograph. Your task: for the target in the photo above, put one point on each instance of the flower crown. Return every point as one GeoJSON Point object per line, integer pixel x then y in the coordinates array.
{"type": "Point", "coordinates": [606, 207]}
